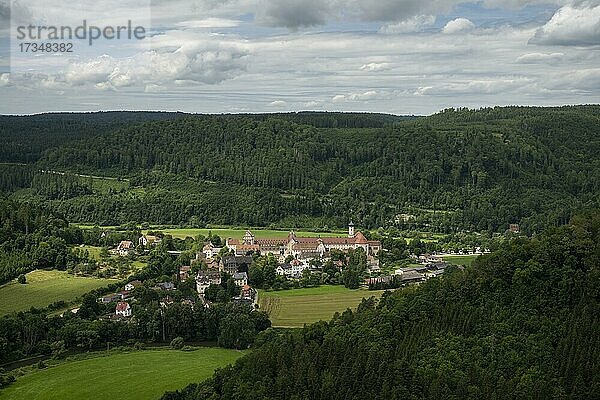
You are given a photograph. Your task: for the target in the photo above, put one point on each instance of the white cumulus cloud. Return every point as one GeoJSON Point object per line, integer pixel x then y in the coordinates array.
{"type": "Point", "coordinates": [458, 25]}
{"type": "Point", "coordinates": [572, 25]}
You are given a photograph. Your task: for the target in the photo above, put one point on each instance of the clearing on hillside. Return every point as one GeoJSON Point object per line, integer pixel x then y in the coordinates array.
{"type": "Point", "coordinates": [44, 288]}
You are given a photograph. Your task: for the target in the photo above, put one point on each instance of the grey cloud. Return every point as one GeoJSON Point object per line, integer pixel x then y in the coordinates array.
{"type": "Point", "coordinates": [304, 13]}
{"type": "Point", "coordinates": [294, 14]}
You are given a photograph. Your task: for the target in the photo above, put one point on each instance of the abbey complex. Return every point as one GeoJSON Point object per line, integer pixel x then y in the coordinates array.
{"type": "Point", "coordinates": [304, 248]}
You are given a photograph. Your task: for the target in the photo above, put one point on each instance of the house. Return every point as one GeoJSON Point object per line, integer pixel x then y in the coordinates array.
{"type": "Point", "coordinates": [124, 295]}
{"type": "Point", "coordinates": [247, 295]}
{"type": "Point", "coordinates": [514, 228]}
{"type": "Point", "coordinates": [132, 285]}
{"type": "Point", "coordinates": [210, 251]}
{"type": "Point", "coordinates": [188, 302]}
{"type": "Point", "coordinates": [284, 269]}
{"type": "Point", "coordinates": [109, 298]}
{"type": "Point", "coordinates": [165, 286]}
{"type": "Point", "coordinates": [206, 278]}
{"type": "Point", "coordinates": [411, 275]}
{"type": "Point", "coordinates": [233, 264]}
{"type": "Point", "coordinates": [240, 278]}
{"type": "Point", "coordinates": [211, 263]}
{"type": "Point", "coordinates": [166, 302]}
{"type": "Point", "coordinates": [149, 240]}
{"type": "Point", "coordinates": [123, 309]}
{"type": "Point", "coordinates": [125, 247]}
{"type": "Point", "coordinates": [184, 273]}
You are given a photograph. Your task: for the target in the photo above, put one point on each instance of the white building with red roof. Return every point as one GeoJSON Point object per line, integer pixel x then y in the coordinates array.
{"type": "Point", "coordinates": [123, 309]}
{"type": "Point", "coordinates": [304, 247]}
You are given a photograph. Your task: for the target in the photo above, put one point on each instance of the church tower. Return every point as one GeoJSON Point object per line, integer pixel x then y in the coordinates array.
{"type": "Point", "coordinates": [350, 230]}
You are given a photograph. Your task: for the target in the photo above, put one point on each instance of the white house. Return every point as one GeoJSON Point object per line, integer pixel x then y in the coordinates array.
{"type": "Point", "coordinates": [210, 251]}
{"type": "Point", "coordinates": [123, 309]}
{"type": "Point", "coordinates": [125, 247]}
{"type": "Point", "coordinates": [132, 285]}
{"type": "Point", "coordinates": [148, 240]}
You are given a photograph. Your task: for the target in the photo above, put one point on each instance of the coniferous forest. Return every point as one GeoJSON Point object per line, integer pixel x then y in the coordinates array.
{"type": "Point", "coordinates": [467, 169]}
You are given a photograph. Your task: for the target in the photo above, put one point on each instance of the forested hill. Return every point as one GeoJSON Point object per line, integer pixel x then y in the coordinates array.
{"type": "Point", "coordinates": [521, 323]}
{"type": "Point", "coordinates": [478, 170]}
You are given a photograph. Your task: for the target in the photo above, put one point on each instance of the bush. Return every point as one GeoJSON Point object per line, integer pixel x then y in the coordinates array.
{"type": "Point", "coordinates": [22, 279]}
{"type": "Point", "coordinates": [58, 349]}
{"type": "Point", "coordinates": [6, 380]}
{"type": "Point", "coordinates": [139, 345]}
{"type": "Point", "coordinates": [177, 343]}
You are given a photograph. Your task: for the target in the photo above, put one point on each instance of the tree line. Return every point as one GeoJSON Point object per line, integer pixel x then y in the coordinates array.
{"type": "Point", "coordinates": [467, 169]}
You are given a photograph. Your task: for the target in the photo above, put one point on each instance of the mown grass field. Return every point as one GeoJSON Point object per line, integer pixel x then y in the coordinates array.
{"type": "Point", "coordinates": [93, 251]}
{"type": "Point", "coordinates": [461, 260]}
{"type": "Point", "coordinates": [294, 308]}
{"type": "Point", "coordinates": [124, 376]}
{"type": "Point", "coordinates": [239, 233]}
{"type": "Point", "coordinates": [44, 288]}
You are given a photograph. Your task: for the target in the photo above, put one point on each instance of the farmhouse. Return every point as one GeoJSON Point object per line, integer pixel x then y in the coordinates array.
{"type": "Point", "coordinates": [124, 248]}
{"type": "Point", "coordinates": [123, 309]}
{"type": "Point", "coordinates": [109, 298]}
{"type": "Point", "coordinates": [303, 247]}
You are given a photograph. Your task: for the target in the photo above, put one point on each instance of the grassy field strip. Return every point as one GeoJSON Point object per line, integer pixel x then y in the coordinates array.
{"type": "Point", "coordinates": [239, 233]}
{"type": "Point", "coordinates": [461, 260]}
{"type": "Point", "coordinates": [126, 376]}
{"type": "Point", "coordinates": [44, 288]}
{"type": "Point", "coordinates": [294, 308]}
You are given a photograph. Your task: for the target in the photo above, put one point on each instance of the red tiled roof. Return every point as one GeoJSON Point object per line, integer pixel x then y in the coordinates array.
{"type": "Point", "coordinates": [122, 306]}
{"type": "Point", "coordinates": [305, 246]}
{"type": "Point", "coordinates": [359, 238]}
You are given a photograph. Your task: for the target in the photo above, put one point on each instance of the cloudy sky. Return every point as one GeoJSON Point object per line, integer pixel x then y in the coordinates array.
{"type": "Point", "coordinates": [395, 56]}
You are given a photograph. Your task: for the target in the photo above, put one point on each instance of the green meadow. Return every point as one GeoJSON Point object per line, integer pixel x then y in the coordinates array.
{"type": "Point", "coordinates": [44, 288]}
{"type": "Point", "coordinates": [461, 260]}
{"type": "Point", "coordinates": [239, 233]}
{"type": "Point", "coordinates": [294, 308]}
{"type": "Point", "coordinates": [138, 375]}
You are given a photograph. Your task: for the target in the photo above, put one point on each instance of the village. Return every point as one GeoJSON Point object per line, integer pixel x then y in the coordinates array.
{"type": "Point", "coordinates": [296, 257]}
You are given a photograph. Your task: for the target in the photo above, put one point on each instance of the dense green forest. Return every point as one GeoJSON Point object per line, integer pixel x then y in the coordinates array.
{"type": "Point", "coordinates": [466, 169]}
{"type": "Point", "coordinates": [33, 237]}
{"type": "Point", "coordinates": [521, 323]}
